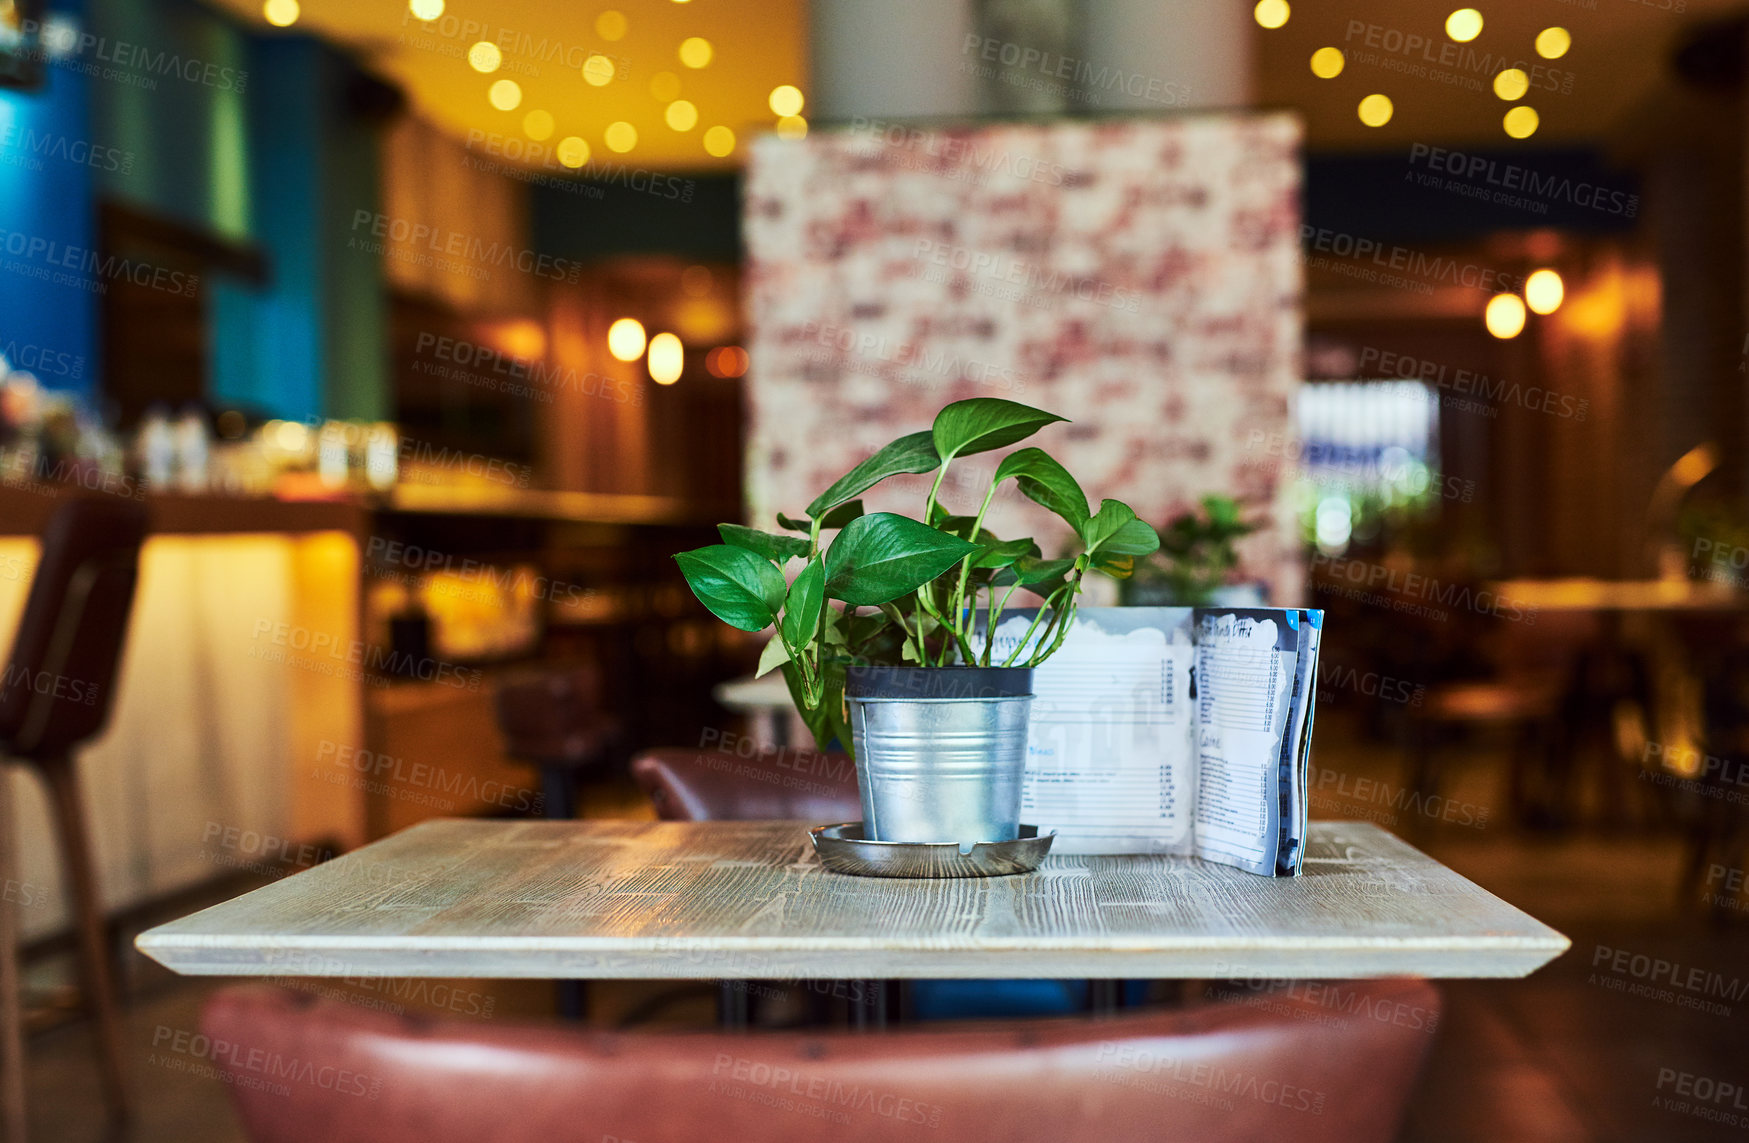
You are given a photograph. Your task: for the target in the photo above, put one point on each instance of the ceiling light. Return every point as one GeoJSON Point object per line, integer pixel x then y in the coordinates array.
{"type": "Point", "coordinates": [681, 115]}
{"type": "Point", "coordinates": [1521, 122]}
{"type": "Point", "coordinates": [1505, 316]}
{"type": "Point", "coordinates": [667, 359]}
{"type": "Point", "coordinates": [1375, 110]}
{"type": "Point", "coordinates": [625, 339]}
{"type": "Point", "coordinates": [1552, 43]}
{"type": "Point", "coordinates": [611, 25]}
{"type": "Point", "coordinates": [572, 151]}
{"type": "Point", "coordinates": [719, 141]}
{"type": "Point", "coordinates": [1327, 63]}
{"type": "Point", "coordinates": [1464, 25]}
{"type": "Point", "coordinates": [538, 125]}
{"type": "Point", "coordinates": [281, 13]}
{"type": "Point", "coordinates": [620, 136]}
{"type": "Point", "coordinates": [1271, 13]}
{"type": "Point", "coordinates": [485, 57]}
{"type": "Point", "coordinates": [786, 100]}
{"type": "Point", "coordinates": [505, 95]}
{"type": "Point", "coordinates": [695, 51]}
{"type": "Point", "coordinates": [598, 70]}
{"type": "Point", "coordinates": [1544, 291]}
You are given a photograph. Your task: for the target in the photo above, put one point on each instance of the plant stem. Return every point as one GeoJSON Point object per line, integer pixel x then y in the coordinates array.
{"type": "Point", "coordinates": [1047, 606]}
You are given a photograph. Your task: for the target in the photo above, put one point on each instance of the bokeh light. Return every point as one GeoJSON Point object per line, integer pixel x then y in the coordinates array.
{"type": "Point", "coordinates": [1375, 110]}
{"type": "Point", "coordinates": [598, 70]}
{"type": "Point", "coordinates": [281, 13]}
{"type": "Point", "coordinates": [620, 136]}
{"type": "Point", "coordinates": [1464, 25]}
{"type": "Point", "coordinates": [1521, 122]}
{"type": "Point", "coordinates": [1271, 13]}
{"type": "Point", "coordinates": [667, 359]}
{"type": "Point", "coordinates": [1552, 43]}
{"type": "Point", "coordinates": [625, 339]}
{"type": "Point", "coordinates": [719, 141]}
{"type": "Point", "coordinates": [425, 9]}
{"type": "Point", "coordinates": [695, 51]}
{"type": "Point", "coordinates": [726, 361]}
{"type": "Point", "coordinates": [1504, 316]}
{"type": "Point", "coordinates": [1327, 63]}
{"type": "Point", "coordinates": [792, 127]}
{"type": "Point", "coordinates": [1544, 291]}
{"type": "Point", "coordinates": [484, 57]}
{"type": "Point", "coordinates": [572, 151]}
{"type": "Point", "coordinates": [681, 115]}
{"type": "Point", "coordinates": [505, 95]}
{"type": "Point", "coordinates": [1511, 84]}
{"type": "Point", "coordinates": [786, 100]}
{"type": "Point", "coordinates": [538, 125]}
{"type": "Point", "coordinates": [611, 25]}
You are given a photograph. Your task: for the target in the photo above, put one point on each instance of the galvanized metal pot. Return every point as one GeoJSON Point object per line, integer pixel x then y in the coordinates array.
{"type": "Point", "coordinates": [940, 752]}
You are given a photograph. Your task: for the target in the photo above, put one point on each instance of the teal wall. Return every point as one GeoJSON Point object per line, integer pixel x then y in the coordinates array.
{"type": "Point", "coordinates": [249, 139]}
{"type": "Point", "coordinates": [48, 217]}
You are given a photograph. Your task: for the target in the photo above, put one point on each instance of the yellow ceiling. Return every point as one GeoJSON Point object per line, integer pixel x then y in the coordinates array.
{"type": "Point", "coordinates": [756, 47]}
{"type": "Point", "coordinates": [1619, 50]}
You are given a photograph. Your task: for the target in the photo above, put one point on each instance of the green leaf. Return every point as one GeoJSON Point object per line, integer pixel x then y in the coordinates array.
{"type": "Point", "coordinates": [983, 423]}
{"type": "Point", "coordinates": [961, 526]}
{"type": "Point", "coordinates": [773, 547]}
{"type": "Point", "coordinates": [836, 518]}
{"type": "Point", "coordinates": [1041, 577]}
{"type": "Point", "coordinates": [881, 556]}
{"type": "Point", "coordinates": [741, 589]}
{"type": "Point", "coordinates": [909, 454]}
{"type": "Point", "coordinates": [775, 655]}
{"type": "Point", "coordinates": [1117, 567]}
{"type": "Point", "coordinates": [1115, 530]}
{"type": "Point", "coordinates": [801, 610]}
{"type": "Point", "coordinates": [1046, 482]}
{"type": "Point", "coordinates": [1004, 553]}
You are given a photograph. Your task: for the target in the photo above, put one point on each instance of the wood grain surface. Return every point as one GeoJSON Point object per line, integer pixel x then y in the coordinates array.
{"type": "Point", "coordinates": [703, 900]}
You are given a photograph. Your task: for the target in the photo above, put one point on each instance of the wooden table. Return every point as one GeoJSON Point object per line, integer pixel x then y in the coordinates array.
{"type": "Point", "coordinates": [713, 900]}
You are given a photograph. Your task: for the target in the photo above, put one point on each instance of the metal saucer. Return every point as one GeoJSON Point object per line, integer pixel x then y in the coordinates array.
{"type": "Point", "coordinates": [843, 849]}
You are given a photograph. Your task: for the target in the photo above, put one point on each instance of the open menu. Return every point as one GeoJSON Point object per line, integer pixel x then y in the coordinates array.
{"type": "Point", "coordinates": [1181, 730]}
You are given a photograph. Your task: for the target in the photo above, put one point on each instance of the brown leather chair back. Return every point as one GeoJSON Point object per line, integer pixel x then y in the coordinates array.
{"type": "Point", "coordinates": [555, 717]}
{"type": "Point", "coordinates": [1337, 1067]}
{"type": "Point", "coordinates": [59, 684]}
{"type": "Point", "coordinates": [787, 783]}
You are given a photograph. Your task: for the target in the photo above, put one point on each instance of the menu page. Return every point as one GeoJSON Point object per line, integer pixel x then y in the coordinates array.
{"type": "Point", "coordinates": [1110, 749]}
{"type": "Point", "coordinates": [1245, 673]}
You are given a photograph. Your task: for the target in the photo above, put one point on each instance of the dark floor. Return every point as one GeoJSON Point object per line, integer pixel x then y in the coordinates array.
{"type": "Point", "coordinates": [1569, 1055]}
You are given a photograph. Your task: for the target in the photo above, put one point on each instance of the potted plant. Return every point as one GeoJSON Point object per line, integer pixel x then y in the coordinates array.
{"type": "Point", "coordinates": [903, 670]}
{"type": "Point", "coordinates": [1196, 558]}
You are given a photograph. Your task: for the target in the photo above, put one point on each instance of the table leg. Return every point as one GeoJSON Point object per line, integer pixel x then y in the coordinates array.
{"type": "Point", "coordinates": [868, 1013]}
{"type": "Point", "coordinates": [11, 1000]}
{"type": "Point", "coordinates": [733, 1010]}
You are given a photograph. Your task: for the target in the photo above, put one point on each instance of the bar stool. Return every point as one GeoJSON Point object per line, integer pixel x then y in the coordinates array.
{"type": "Point", "coordinates": [55, 696]}
{"type": "Point", "coordinates": [557, 721]}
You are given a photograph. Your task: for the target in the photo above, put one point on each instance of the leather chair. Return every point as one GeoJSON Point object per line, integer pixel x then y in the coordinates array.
{"type": "Point", "coordinates": [56, 694]}
{"type": "Point", "coordinates": [779, 783]}
{"type": "Point", "coordinates": [557, 720]}
{"type": "Point", "coordinates": [1337, 1066]}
